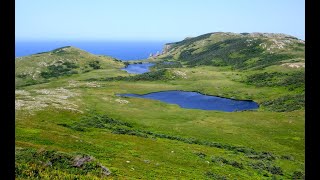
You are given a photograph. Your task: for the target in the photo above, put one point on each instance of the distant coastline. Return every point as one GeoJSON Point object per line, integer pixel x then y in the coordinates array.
{"type": "Point", "coordinates": [131, 50]}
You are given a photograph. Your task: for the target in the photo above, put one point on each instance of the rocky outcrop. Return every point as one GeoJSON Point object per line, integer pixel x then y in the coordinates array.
{"type": "Point", "coordinates": [80, 160]}
{"type": "Point", "coordinates": [105, 170]}
{"type": "Point", "coordinates": [166, 48]}
{"type": "Point", "coordinates": [187, 38]}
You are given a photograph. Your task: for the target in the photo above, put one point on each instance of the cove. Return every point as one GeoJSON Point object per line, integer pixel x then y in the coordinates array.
{"type": "Point", "coordinates": [138, 68]}
{"type": "Point", "coordinates": [195, 100]}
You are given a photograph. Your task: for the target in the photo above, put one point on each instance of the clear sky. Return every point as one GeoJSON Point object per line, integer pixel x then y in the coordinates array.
{"type": "Point", "coordinates": [165, 20]}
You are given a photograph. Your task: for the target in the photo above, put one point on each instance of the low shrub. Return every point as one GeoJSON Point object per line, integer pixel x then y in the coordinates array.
{"type": "Point", "coordinates": [129, 132]}
{"type": "Point", "coordinates": [167, 64]}
{"type": "Point", "coordinates": [126, 63]}
{"type": "Point", "coordinates": [262, 156]}
{"type": "Point", "coordinates": [212, 175]}
{"type": "Point", "coordinates": [287, 157]}
{"type": "Point", "coordinates": [95, 120]}
{"type": "Point", "coordinates": [285, 103]}
{"type": "Point", "coordinates": [298, 175]}
{"type": "Point", "coordinates": [261, 165]}
{"type": "Point", "coordinates": [226, 161]}
{"type": "Point", "coordinates": [201, 155]}
{"type": "Point", "coordinates": [44, 164]}
{"type": "Point", "coordinates": [22, 76]}
{"type": "Point", "coordinates": [56, 70]}
{"type": "Point", "coordinates": [95, 64]}
{"type": "Point", "coordinates": [291, 81]}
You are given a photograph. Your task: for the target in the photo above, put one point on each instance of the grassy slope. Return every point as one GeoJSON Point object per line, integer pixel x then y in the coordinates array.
{"type": "Point", "coordinates": [281, 133]}
{"type": "Point", "coordinates": [241, 51]}
{"type": "Point", "coordinates": [29, 68]}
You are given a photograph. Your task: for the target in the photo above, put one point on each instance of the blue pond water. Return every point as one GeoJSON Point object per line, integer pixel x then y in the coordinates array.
{"type": "Point", "coordinates": [138, 68]}
{"type": "Point", "coordinates": [194, 100]}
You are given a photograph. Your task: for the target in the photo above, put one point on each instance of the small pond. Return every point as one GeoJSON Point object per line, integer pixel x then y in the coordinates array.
{"type": "Point", "coordinates": [195, 100]}
{"type": "Point", "coordinates": [138, 68]}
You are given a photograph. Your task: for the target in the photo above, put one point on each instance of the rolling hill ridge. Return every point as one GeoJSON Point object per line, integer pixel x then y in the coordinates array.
{"type": "Point", "coordinates": [62, 61]}
{"type": "Point", "coordinates": [241, 51]}
{"type": "Point", "coordinates": [71, 123]}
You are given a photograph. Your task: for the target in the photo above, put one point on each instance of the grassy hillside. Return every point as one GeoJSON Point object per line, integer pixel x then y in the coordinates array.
{"type": "Point", "coordinates": [75, 126]}
{"type": "Point", "coordinates": [63, 61]}
{"type": "Point", "coordinates": [241, 51]}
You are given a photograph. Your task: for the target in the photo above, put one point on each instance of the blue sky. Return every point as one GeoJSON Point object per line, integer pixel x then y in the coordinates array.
{"type": "Point", "coordinates": [165, 20]}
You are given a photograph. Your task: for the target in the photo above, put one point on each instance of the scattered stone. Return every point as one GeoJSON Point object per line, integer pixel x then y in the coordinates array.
{"type": "Point", "coordinates": [127, 161]}
{"type": "Point", "coordinates": [105, 170]}
{"type": "Point", "coordinates": [29, 105]}
{"type": "Point", "coordinates": [146, 161]}
{"type": "Point", "coordinates": [49, 163]}
{"type": "Point", "coordinates": [58, 98]}
{"type": "Point", "coordinates": [180, 74]}
{"type": "Point", "coordinates": [294, 65]}
{"type": "Point", "coordinates": [80, 160]}
{"type": "Point", "coordinates": [22, 92]}
{"type": "Point", "coordinates": [92, 84]}
{"type": "Point", "coordinates": [121, 101]}
{"type": "Point", "coordinates": [201, 155]}
{"type": "Point", "coordinates": [43, 64]}
{"type": "Point", "coordinates": [73, 83]}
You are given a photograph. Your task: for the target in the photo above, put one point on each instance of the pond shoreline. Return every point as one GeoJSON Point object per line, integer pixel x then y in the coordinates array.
{"type": "Point", "coordinates": [138, 68]}
{"type": "Point", "coordinates": [195, 92]}
{"type": "Point", "coordinates": [196, 100]}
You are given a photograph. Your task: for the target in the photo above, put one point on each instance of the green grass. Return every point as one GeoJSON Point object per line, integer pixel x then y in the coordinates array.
{"type": "Point", "coordinates": [149, 139]}
{"type": "Point", "coordinates": [44, 164]}
{"type": "Point", "coordinates": [241, 51]}
{"type": "Point", "coordinates": [38, 68]}
{"type": "Point", "coordinates": [114, 150]}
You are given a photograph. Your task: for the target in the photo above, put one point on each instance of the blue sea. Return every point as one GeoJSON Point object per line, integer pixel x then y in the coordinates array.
{"type": "Point", "coordinates": [117, 49]}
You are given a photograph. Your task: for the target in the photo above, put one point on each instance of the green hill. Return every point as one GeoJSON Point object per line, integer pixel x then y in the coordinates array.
{"type": "Point", "coordinates": [71, 124]}
{"type": "Point", "coordinates": [59, 62]}
{"type": "Point", "coordinates": [241, 51]}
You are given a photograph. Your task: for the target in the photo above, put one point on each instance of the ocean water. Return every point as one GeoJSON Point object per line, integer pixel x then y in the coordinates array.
{"type": "Point", "coordinates": [118, 49]}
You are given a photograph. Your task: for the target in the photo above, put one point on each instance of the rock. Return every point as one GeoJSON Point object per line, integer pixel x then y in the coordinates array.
{"type": "Point", "coordinates": [166, 48]}
{"type": "Point", "coordinates": [49, 163]}
{"type": "Point", "coordinates": [187, 38]}
{"type": "Point", "coordinates": [79, 160]}
{"type": "Point", "coordinates": [294, 65]}
{"type": "Point", "coordinates": [105, 171]}
{"type": "Point", "coordinates": [127, 161]}
{"type": "Point", "coordinates": [122, 101]}
{"type": "Point", "coordinates": [146, 161]}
